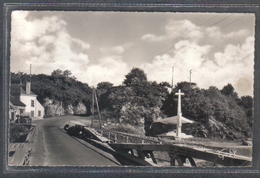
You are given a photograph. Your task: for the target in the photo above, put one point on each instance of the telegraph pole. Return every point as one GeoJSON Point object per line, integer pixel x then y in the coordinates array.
{"type": "Point", "coordinates": [172, 75]}
{"type": "Point", "coordinates": [95, 100]}
{"type": "Point", "coordinates": [93, 108]}
{"type": "Point", "coordinates": [30, 73]}
{"type": "Point", "coordinates": [99, 116]}
{"type": "Point", "coordinates": [190, 77]}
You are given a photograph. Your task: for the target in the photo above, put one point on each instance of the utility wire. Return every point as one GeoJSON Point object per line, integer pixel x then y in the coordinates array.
{"type": "Point", "coordinates": [188, 38]}
{"type": "Point", "coordinates": [155, 54]}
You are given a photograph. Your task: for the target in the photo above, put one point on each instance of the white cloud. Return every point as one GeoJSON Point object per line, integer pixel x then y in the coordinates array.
{"type": "Point", "coordinates": [217, 36]}
{"type": "Point", "coordinates": [237, 34]}
{"type": "Point", "coordinates": [111, 69]}
{"type": "Point", "coordinates": [116, 50]}
{"type": "Point", "coordinates": [184, 29]}
{"type": "Point", "coordinates": [177, 29]}
{"type": "Point", "coordinates": [186, 56]}
{"type": "Point", "coordinates": [26, 30]}
{"type": "Point", "coordinates": [80, 43]}
{"type": "Point", "coordinates": [153, 38]}
{"type": "Point", "coordinates": [234, 65]}
{"type": "Point", "coordinates": [231, 63]}
{"type": "Point", "coordinates": [46, 44]}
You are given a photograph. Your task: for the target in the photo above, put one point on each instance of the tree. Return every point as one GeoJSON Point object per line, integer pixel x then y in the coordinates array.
{"type": "Point", "coordinates": [229, 90]}
{"type": "Point", "coordinates": [57, 72]}
{"type": "Point", "coordinates": [135, 76]}
{"type": "Point", "coordinates": [104, 86]}
{"type": "Point", "coordinates": [247, 103]}
{"type": "Point", "coordinates": [67, 73]}
{"type": "Point", "coordinates": [17, 77]}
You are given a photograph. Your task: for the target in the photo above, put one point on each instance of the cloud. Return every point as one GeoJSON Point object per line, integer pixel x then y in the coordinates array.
{"type": "Point", "coordinates": [185, 56]}
{"type": "Point", "coordinates": [183, 29]}
{"type": "Point", "coordinates": [234, 65]}
{"type": "Point", "coordinates": [153, 38]}
{"type": "Point", "coordinates": [177, 29]}
{"type": "Point", "coordinates": [46, 44]}
{"type": "Point", "coordinates": [116, 50]}
{"type": "Point", "coordinates": [26, 30]}
{"type": "Point", "coordinates": [111, 69]}
{"type": "Point", "coordinates": [216, 35]}
{"type": "Point", "coordinates": [215, 56]}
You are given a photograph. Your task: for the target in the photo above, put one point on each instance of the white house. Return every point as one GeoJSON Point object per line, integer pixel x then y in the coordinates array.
{"type": "Point", "coordinates": [27, 102]}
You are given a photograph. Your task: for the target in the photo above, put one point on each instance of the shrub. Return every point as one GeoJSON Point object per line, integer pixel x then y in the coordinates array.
{"type": "Point", "coordinates": [17, 132]}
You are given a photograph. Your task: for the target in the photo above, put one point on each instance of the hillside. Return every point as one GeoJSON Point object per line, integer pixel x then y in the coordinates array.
{"type": "Point", "coordinates": [139, 102]}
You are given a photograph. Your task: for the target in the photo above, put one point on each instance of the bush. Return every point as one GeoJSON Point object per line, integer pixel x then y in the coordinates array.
{"type": "Point", "coordinates": [18, 132]}
{"type": "Point", "coordinates": [127, 128]}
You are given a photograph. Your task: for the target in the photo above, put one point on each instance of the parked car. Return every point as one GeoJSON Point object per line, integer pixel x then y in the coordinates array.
{"type": "Point", "coordinates": [25, 119]}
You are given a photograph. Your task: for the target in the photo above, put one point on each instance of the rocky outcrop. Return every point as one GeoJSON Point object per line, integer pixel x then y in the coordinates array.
{"type": "Point", "coordinates": [57, 108]}
{"type": "Point", "coordinates": [80, 108]}
{"type": "Point", "coordinates": [53, 108]}
{"type": "Point", "coordinates": [69, 109]}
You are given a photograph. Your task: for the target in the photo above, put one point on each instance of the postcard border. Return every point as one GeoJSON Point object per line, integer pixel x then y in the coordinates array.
{"type": "Point", "coordinates": [148, 6]}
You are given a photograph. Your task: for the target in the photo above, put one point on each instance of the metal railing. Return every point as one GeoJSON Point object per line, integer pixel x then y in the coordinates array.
{"type": "Point", "coordinates": [120, 137]}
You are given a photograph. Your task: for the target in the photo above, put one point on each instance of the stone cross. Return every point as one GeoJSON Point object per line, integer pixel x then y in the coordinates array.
{"type": "Point", "coordinates": [179, 114]}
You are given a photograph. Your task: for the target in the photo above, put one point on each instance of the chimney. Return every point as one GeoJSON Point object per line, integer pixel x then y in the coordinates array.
{"type": "Point", "coordinates": [28, 87]}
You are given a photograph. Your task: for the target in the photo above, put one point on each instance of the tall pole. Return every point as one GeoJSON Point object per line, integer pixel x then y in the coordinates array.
{"type": "Point", "coordinates": [179, 114]}
{"type": "Point", "coordinates": [190, 77]}
{"type": "Point", "coordinates": [93, 107]}
{"type": "Point", "coordinates": [172, 75]}
{"type": "Point", "coordinates": [99, 116]}
{"type": "Point", "coordinates": [30, 73]}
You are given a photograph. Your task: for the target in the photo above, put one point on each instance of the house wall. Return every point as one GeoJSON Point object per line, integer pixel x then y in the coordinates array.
{"type": "Point", "coordinates": [39, 110]}
{"type": "Point", "coordinates": [36, 110]}
{"type": "Point", "coordinates": [16, 110]}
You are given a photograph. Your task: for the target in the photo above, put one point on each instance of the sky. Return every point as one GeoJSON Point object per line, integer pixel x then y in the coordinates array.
{"type": "Point", "coordinates": [218, 48]}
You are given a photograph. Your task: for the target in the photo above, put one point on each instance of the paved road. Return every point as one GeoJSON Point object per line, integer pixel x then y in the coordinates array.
{"type": "Point", "coordinates": [54, 147]}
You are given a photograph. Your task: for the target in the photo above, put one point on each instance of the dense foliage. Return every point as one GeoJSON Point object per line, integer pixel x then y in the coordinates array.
{"type": "Point", "coordinates": [220, 112]}
{"type": "Point", "coordinates": [18, 133]}
{"type": "Point", "coordinates": [60, 86]}
{"type": "Point", "coordinates": [139, 102]}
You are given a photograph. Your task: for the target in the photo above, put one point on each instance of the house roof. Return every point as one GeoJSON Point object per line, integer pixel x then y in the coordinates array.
{"type": "Point", "coordinates": [173, 120]}
{"type": "Point", "coordinates": [15, 92]}
{"type": "Point", "coordinates": [17, 89]}
{"type": "Point", "coordinates": [15, 100]}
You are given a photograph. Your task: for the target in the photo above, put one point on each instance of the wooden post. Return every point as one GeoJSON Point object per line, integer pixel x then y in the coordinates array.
{"type": "Point", "coordinates": [115, 137]}
{"type": "Point", "coordinates": [132, 152]}
{"type": "Point", "coordinates": [172, 163]}
{"type": "Point", "coordinates": [99, 116]}
{"type": "Point", "coordinates": [93, 108]}
{"type": "Point", "coordinates": [152, 156]}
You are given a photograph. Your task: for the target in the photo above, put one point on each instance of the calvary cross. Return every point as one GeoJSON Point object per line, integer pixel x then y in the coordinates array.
{"type": "Point", "coordinates": [179, 114]}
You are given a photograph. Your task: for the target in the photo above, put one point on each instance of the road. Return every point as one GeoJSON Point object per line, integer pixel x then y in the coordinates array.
{"type": "Point", "coordinates": [53, 147]}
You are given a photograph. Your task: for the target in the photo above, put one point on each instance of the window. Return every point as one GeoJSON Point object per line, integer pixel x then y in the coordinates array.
{"type": "Point", "coordinates": [32, 113]}
{"type": "Point", "coordinates": [32, 103]}
{"type": "Point", "coordinates": [39, 113]}
{"type": "Point", "coordinates": [21, 111]}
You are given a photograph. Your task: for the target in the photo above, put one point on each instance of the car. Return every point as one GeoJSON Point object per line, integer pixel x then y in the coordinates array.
{"type": "Point", "coordinates": [25, 119]}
